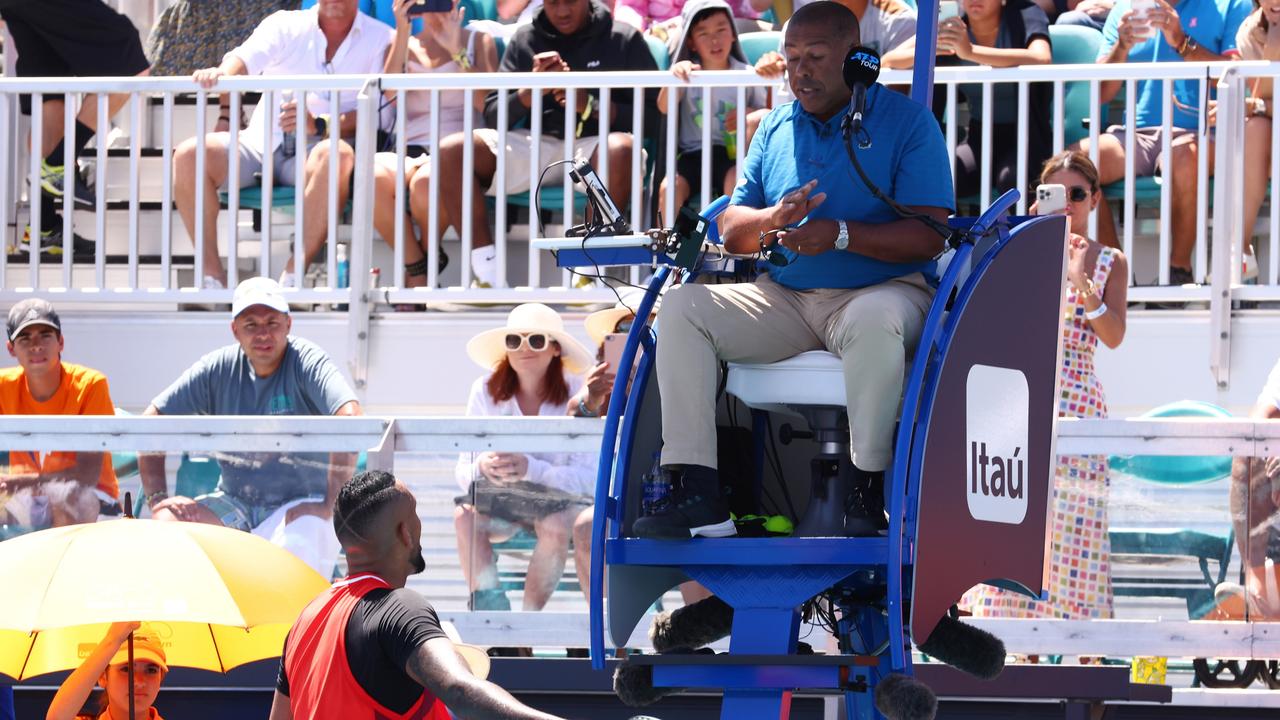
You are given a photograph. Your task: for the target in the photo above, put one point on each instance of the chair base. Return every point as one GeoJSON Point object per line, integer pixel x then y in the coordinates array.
{"type": "Point", "coordinates": [831, 483]}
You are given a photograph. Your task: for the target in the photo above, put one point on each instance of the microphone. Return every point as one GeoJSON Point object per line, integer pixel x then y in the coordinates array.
{"type": "Point", "coordinates": [861, 70]}
{"type": "Point", "coordinates": [966, 648]}
{"type": "Point", "coordinates": [900, 697]}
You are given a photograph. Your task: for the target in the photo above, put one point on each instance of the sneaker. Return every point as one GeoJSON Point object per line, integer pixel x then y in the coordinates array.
{"type": "Point", "coordinates": [1249, 270]}
{"type": "Point", "coordinates": [53, 179]}
{"type": "Point", "coordinates": [1180, 276]}
{"type": "Point", "coordinates": [288, 280]}
{"type": "Point", "coordinates": [695, 506]}
{"type": "Point", "coordinates": [51, 245]}
{"type": "Point", "coordinates": [212, 283]}
{"type": "Point", "coordinates": [490, 599]}
{"type": "Point", "coordinates": [484, 266]}
{"type": "Point", "coordinates": [864, 508]}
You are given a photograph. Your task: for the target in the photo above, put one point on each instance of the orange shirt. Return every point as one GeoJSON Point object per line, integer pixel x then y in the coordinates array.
{"type": "Point", "coordinates": [83, 392]}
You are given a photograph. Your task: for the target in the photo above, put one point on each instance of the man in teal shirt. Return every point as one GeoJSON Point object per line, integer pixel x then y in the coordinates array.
{"type": "Point", "coordinates": [858, 281]}
{"type": "Point", "coordinates": [1191, 31]}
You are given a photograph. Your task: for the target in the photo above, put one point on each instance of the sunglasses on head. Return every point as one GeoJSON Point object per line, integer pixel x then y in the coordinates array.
{"type": "Point", "coordinates": [1078, 193]}
{"type": "Point", "coordinates": [537, 342]}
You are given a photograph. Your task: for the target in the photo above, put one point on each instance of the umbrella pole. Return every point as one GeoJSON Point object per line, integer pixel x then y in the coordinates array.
{"type": "Point", "coordinates": [131, 709]}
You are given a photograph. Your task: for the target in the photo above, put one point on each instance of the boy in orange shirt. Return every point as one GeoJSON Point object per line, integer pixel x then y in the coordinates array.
{"type": "Point", "coordinates": [41, 488]}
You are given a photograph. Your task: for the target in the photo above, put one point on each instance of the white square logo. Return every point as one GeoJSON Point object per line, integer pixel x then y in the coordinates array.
{"type": "Point", "coordinates": [996, 409]}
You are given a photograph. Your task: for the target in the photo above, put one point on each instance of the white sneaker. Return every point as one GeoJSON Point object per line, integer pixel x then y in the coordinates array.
{"type": "Point", "coordinates": [288, 280]}
{"type": "Point", "coordinates": [212, 283]}
{"type": "Point", "coordinates": [1249, 274]}
{"type": "Point", "coordinates": [484, 266]}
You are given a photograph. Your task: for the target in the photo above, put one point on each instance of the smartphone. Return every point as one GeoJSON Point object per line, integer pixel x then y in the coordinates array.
{"type": "Point", "coordinates": [545, 57]}
{"type": "Point", "coordinates": [1051, 199]}
{"type": "Point", "coordinates": [948, 9]}
{"type": "Point", "coordinates": [613, 345]}
{"type": "Point", "coordinates": [431, 6]}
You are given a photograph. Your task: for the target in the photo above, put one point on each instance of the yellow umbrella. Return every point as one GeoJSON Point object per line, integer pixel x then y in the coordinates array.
{"type": "Point", "coordinates": [217, 597]}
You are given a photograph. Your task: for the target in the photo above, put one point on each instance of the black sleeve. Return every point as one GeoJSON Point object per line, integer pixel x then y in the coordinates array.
{"type": "Point", "coordinates": [282, 680]}
{"type": "Point", "coordinates": [1034, 22]}
{"type": "Point", "coordinates": [404, 623]}
{"type": "Point", "coordinates": [518, 58]}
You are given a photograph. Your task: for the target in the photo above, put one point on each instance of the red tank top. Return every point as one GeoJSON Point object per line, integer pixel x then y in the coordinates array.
{"type": "Point", "coordinates": [320, 681]}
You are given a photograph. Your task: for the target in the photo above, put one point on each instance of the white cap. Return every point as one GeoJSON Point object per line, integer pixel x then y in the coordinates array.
{"type": "Point", "coordinates": [258, 291]}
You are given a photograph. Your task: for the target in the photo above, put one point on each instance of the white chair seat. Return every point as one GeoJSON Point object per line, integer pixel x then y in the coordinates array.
{"type": "Point", "coordinates": [815, 377]}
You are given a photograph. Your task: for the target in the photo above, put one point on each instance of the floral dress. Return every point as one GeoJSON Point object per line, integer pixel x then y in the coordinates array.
{"type": "Point", "coordinates": [194, 34]}
{"type": "Point", "coordinates": [1079, 584]}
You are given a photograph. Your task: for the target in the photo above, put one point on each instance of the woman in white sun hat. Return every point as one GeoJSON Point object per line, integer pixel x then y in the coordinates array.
{"type": "Point", "coordinates": [534, 368]}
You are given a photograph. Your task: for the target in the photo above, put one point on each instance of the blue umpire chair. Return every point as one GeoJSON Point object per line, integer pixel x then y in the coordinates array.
{"type": "Point", "coordinates": [874, 580]}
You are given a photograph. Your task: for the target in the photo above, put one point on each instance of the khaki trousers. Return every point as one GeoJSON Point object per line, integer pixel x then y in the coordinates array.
{"type": "Point", "coordinates": [871, 329]}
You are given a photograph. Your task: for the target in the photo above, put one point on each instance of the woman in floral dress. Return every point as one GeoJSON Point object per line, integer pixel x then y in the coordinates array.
{"type": "Point", "coordinates": [1079, 583]}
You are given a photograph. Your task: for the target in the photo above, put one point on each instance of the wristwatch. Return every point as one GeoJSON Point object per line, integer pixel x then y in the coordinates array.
{"type": "Point", "coordinates": [842, 237]}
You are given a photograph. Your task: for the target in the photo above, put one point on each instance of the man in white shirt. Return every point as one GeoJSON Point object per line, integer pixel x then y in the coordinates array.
{"type": "Point", "coordinates": [333, 37]}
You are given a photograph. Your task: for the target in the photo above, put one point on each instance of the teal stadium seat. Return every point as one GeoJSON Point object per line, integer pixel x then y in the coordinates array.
{"type": "Point", "coordinates": [251, 197]}
{"type": "Point", "coordinates": [756, 44]}
{"type": "Point", "coordinates": [1074, 45]}
{"type": "Point", "coordinates": [659, 51]}
{"type": "Point", "coordinates": [1211, 550]}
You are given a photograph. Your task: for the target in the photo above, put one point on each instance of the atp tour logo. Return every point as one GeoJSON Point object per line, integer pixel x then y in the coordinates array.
{"type": "Point", "coordinates": [996, 408]}
{"type": "Point", "coordinates": [867, 60]}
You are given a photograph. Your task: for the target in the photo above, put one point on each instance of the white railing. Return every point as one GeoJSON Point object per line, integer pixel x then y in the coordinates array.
{"type": "Point", "coordinates": [607, 85]}
{"type": "Point", "coordinates": [387, 438]}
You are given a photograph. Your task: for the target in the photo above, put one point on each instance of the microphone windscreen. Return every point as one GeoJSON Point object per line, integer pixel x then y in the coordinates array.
{"type": "Point", "coordinates": [900, 697]}
{"type": "Point", "coordinates": [965, 648]}
{"type": "Point", "coordinates": [861, 67]}
{"type": "Point", "coordinates": [633, 684]}
{"type": "Point", "coordinates": [692, 626]}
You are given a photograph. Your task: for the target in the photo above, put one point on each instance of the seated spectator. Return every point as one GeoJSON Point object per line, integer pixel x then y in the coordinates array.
{"type": "Point", "coordinates": [51, 489]}
{"type": "Point", "coordinates": [534, 368]}
{"type": "Point", "coordinates": [191, 35]}
{"type": "Point", "coordinates": [708, 42]}
{"type": "Point", "coordinates": [1197, 31]}
{"type": "Point", "coordinates": [997, 34]}
{"type": "Point", "coordinates": [1255, 501]}
{"type": "Point", "coordinates": [332, 38]}
{"type": "Point", "coordinates": [443, 46]}
{"type": "Point", "coordinates": [1257, 39]}
{"type": "Point", "coordinates": [666, 18]}
{"type": "Point", "coordinates": [565, 35]}
{"type": "Point", "coordinates": [1085, 13]}
{"type": "Point", "coordinates": [108, 666]}
{"type": "Point", "coordinates": [286, 498]}
{"type": "Point", "coordinates": [67, 38]}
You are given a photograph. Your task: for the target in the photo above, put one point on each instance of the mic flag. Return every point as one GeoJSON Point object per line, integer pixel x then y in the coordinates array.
{"type": "Point", "coordinates": [861, 70]}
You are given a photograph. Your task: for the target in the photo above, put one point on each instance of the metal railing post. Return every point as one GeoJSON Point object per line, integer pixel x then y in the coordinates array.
{"type": "Point", "coordinates": [359, 306]}
{"type": "Point", "coordinates": [1225, 227]}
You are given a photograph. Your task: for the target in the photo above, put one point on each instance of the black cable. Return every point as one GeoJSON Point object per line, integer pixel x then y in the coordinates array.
{"type": "Point", "coordinates": [537, 194]}
{"type": "Point", "coordinates": [952, 238]}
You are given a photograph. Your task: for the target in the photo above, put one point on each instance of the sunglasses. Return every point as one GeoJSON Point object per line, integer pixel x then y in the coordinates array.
{"type": "Point", "coordinates": [1077, 193]}
{"type": "Point", "coordinates": [771, 250]}
{"type": "Point", "coordinates": [536, 342]}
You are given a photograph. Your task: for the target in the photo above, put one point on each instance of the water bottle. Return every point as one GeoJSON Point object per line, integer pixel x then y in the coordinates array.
{"type": "Point", "coordinates": [290, 141]}
{"type": "Point", "coordinates": [344, 266]}
{"type": "Point", "coordinates": [656, 487]}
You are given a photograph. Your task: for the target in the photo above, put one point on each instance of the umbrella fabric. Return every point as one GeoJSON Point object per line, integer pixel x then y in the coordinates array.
{"type": "Point", "coordinates": [123, 570]}
{"type": "Point", "coordinates": [217, 597]}
{"type": "Point", "coordinates": [194, 645]}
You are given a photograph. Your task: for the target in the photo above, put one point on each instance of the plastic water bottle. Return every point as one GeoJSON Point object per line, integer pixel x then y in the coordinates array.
{"type": "Point", "coordinates": [344, 266]}
{"type": "Point", "coordinates": [290, 142]}
{"type": "Point", "coordinates": [656, 487]}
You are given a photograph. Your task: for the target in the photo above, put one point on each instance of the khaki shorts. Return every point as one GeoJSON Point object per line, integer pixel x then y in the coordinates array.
{"type": "Point", "coordinates": [1146, 146]}
{"type": "Point", "coordinates": [519, 155]}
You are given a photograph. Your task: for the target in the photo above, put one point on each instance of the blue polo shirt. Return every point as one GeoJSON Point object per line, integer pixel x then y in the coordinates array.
{"type": "Point", "coordinates": [1212, 23]}
{"type": "Point", "coordinates": [907, 159]}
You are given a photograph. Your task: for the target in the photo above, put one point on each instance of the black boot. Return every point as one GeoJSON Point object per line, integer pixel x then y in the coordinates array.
{"type": "Point", "coordinates": [694, 507]}
{"type": "Point", "coordinates": [864, 509]}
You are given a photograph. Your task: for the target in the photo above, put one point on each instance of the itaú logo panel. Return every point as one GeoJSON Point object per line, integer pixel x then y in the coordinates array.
{"type": "Point", "coordinates": [996, 444]}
